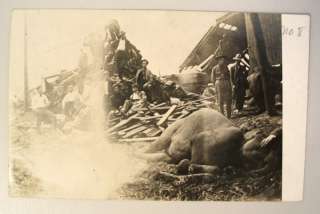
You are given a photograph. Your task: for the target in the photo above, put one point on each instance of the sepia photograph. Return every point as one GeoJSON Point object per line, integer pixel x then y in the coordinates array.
{"type": "Point", "coordinates": [146, 105]}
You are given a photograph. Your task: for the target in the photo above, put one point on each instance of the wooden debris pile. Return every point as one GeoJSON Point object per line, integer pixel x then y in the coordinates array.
{"type": "Point", "coordinates": [147, 124]}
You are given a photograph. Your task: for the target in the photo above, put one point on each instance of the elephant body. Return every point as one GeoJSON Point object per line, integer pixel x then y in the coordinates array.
{"type": "Point", "coordinates": [205, 137]}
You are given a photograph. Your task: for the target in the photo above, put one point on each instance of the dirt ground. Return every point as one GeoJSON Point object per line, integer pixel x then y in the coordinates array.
{"type": "Point", "coordinates": [79, 165]}
{"type": "Point", "coordinates": [232, 184]}
{"type": "Point", "coordinates": [82, 165]}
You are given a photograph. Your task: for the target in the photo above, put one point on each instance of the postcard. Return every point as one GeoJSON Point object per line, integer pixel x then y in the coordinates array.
{"type": "Point", "coordinates": [157, 105]}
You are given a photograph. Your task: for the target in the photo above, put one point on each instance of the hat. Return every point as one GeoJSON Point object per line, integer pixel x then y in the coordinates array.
{"type": "Point", "coordinates": [210, 84]}
{"type": "Point", "coordinates": [220, 56]}
{"type": "Point", "coordinates": [169, 83]}
{"type": "Point", "coordinates": [237, 57]}
{"type": "Point", "coordinates": [144, 60]}
{"type": "Point", "coordinates": [122, 33]}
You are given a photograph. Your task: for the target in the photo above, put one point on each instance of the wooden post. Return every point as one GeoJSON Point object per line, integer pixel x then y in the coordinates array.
{"type": "Point", "coordinates": [257, 45]}
{"type": "Point", "coordinates": [26, 87]}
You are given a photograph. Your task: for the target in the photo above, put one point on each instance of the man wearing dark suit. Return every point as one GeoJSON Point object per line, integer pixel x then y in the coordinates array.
{"type": "Point", "coordinates": [238, 75]}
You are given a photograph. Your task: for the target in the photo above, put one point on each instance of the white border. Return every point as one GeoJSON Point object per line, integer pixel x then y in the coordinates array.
{"type": "Point", "coordinates": [295, 59]}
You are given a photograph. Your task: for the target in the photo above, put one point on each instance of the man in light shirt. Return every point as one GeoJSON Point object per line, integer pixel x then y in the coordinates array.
{"type": "Point", "coordinates": [40, 104]}
{"type": "Point", "coordinates": [71, 103]}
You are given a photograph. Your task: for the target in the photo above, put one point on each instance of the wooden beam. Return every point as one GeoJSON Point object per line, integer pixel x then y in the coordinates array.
{"type": "Point", "coordinates": [122, 123]}
{"type": "Point", "coordinates": [124, 131]}
{"type": "Point", "coordinates": [166, 115]}
{"type": "Point", "coordinates": [257, 45]}
{"type": "Point", "coordinates": [141, 139]}
{"type": "Point", "coordinates": [135, 131]}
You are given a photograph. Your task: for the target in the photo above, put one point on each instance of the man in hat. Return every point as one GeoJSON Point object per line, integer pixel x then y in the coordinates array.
{"type": "Point", "coordinates": [143, 75]}
{"type": "Point", "coordinates": [239, 75]}
{"type": "Point", "coordinates": [220, 77]}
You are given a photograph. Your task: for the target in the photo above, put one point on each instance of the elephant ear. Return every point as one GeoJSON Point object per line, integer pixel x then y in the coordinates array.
{"type": "Point", "coordinates": [180, 148]}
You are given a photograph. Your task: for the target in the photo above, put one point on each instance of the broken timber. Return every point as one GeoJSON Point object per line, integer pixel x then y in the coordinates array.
{"type": "Point", "coordinates": [153, 120]}
{"type": "Point", "coordinates": [142, 139]}
{"type": "Point", "coordinates": [166, 115]}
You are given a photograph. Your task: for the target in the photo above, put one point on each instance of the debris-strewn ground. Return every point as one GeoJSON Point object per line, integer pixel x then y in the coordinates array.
{"type": "Point", "coordinates": [23, 182]}
{"type": "Point", "coordinates": [231, 184]}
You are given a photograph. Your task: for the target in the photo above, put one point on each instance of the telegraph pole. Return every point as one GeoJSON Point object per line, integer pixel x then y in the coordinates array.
{"type": "Point", "coordinates": [26, 87]}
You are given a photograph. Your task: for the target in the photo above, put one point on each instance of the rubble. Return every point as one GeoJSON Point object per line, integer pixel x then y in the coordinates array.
{"type": "Point", "coordinates": [149, 123]}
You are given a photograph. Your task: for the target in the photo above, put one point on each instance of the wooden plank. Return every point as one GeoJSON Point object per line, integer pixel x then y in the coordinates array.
{"type": "Point", "coordinates": [159, 105]}
{"type": "Point", "coordinates": [156, 133]}
{"type": "Point", "coordinates": [149, 117]}
{"type": "Point", "coordinates": [124, 131]}
{"type": "Point", "coordinates": [149, 130]}
{"type": "Point", "coordinates": [135, 131]}
{"type": "Point", "coordinates": [153, 108]}
{"type": "Point", "coordinates": [141, 139]}
{"type": "Point", "coordinates": [122, 123]}
{"type": "Point", "coordinates": [183, 115]}
{"type": "Point", "coordinates": [166, 115]}
{"type": "Point", "coordinates": [195, 101]}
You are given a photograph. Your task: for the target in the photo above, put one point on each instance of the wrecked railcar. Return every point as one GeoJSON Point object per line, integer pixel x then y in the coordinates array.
{"type": "Point", "coordinates": [235, 33]}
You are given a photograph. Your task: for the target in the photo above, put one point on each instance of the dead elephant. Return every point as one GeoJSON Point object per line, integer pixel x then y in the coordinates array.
{"type": "Point", "coordinates": [208, 139]}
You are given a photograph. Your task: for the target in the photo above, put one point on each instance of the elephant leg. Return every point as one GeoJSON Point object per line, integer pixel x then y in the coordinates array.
{"type": "Point", "coordinates": [155, 157]}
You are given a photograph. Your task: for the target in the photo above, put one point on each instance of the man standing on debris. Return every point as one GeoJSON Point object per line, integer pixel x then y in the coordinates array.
{"type": "Point", "coordinates": [143, 75]}
{"type": "Point", "coordinates": [239, 82]}
{"type": "Point", "coordinates": [111, 41]}
{"type": "Point", "coordinates": [220, 77]}
{"type": "Point", "coordinates": [121, 55]}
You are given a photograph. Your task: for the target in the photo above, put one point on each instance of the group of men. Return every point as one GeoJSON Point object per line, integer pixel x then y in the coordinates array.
{"type": "Point", "coordinates": [228, 83]}
{"type": "Point", "coordinates": [69, 107]}
{"type": "Point", "coordinates": [128, 81]}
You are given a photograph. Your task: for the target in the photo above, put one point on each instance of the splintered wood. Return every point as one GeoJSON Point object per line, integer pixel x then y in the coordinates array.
{"type": "Point", "coordinates": [166, 115]}
{"type": "Point", "coordinates": [147, 124]}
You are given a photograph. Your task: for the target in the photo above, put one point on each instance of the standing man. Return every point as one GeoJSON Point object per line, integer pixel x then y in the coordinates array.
{"type": "Point", "coordinates": [121, 55]}
{"type": "Point", "coordinates": [239, 82]}
{"type": "Point", "coordinates": [220, 77]}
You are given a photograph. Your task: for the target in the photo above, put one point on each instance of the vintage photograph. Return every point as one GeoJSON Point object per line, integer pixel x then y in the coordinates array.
{"type": "Point", "coordinates": [145, 105]}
